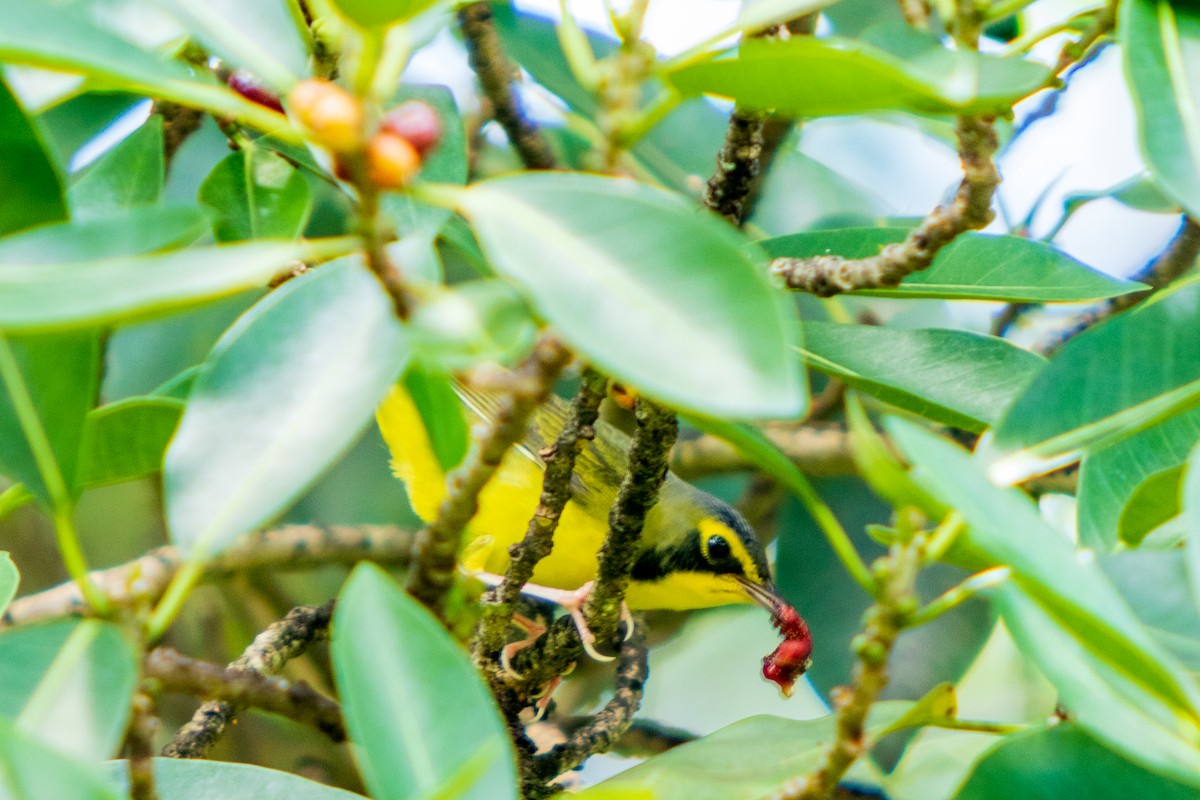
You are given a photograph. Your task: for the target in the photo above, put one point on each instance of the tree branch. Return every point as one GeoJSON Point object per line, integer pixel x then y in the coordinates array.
{"type": "Point", "coordinates": [438, 543]}
{"type": "Point", "coordinates": [245, 683]}
{"type": "Point", "coordinates": [139, 747]}
{"type": "Point", "coordinates": [495, 74]}
{"type": "Point", "coordinates": [818, 449]}
{"type": "Point", "coordinates": [291, 547]}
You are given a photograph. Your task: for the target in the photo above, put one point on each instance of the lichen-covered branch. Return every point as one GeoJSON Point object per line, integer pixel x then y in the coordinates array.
{"type": "Point", "coordinates": [1176, 258]}
{"type": "Point", "coordinates": [437, 545]}
{"type": "Point", "coordinates": [279, 643]}
{"type": "Point", "coordinates": [539, 535]}
{"type": "Point", "coordinates": [818, 449]}
{"type": "Point", "coordinates": [290, 547]}
{"type": "Point", "coordinates": [495, 75]}
{"type": "Point", "coordinates": [602, 731]}
{"type": "Point", "coordinates": [139, 747]}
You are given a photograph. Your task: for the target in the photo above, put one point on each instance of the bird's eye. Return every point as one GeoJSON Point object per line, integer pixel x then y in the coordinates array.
{"type": "Point", "coordinates": [718, 548]}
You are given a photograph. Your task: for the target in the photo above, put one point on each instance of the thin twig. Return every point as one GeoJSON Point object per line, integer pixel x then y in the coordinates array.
{"type": "Point", "coordinates": [179, 122]}
{"type": "Point", "coordinates": [244, 683]}
{"type": "Point", "coordinates": [438, 543]}
{"type": "Point", "coordinates": [291, 547]}
{"type": "Point", "coordinates": [819, 450]}
{"type": "Point", "coordinates": [139, 747]}
{"type": "Point", "coordinates": [495, 78]}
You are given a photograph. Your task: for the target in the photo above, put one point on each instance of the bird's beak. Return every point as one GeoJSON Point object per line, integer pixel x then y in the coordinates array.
{"type": "Point", "coordinates": [765, 594]}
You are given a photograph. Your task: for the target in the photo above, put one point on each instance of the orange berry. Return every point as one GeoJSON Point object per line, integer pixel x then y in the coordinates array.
{"type": "Point", "coordinates": [391, 160]}
{"type": "Point", "coordinates": [333, 115]}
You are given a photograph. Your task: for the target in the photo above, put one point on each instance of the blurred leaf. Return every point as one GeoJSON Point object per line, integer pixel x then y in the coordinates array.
{"type": "Point", "coordinates": [200, 779]}
{"type": "Point", "coordinates": [126, 440]}
{"type": "Point", "coordinates": [757, 15]}
{"type": "Point", "coordinates": [472, 322]}
{"type": "Point", "coordinates": [433, 395]}
{"type": "Point", "coordinates": [414, 705]}
{"type": "Point", "coordinates": [920, 75]}
{"type": "Point", "coordinates": [1062, 411]}
{"type": "Point", "coordinates": [1191, 514]}
{"type": "Point", "coordinates": [26, 170]}
{"type": "Point", "coordinates": [745, 761]}
{"type": "Point", "coordinates": [1140, 193]}
{"type": "Point", "coordinates": [1103, 695]}
{"type": "Point", "coordinates": [111, 290]}
{"type": "Point", "coordinates": [1060, 762]}
{"type": "Point", "coordinates": [29, 770]}
{"type": "Point", "coordinates": [800, 193]}
{"type": "Point", "coordinates": [1159, 45]}
{"type": "Point", "coordinates": [1153, 502]}
{"type": "Point", "coordinates": [939, 703]}
{"type": "Point", "coordinates": [880, 467]}
{"type": "Point", "coordinates": [954, 377]}
{"type": "Point", "coordinates": [256, 194]}
{"type": "Point", "coordinates": [1075, 600]}
{"type": "Point", "coordinates": [69, 684]}
{"type": "Point", "coordinates": [130, 174]}
{"type": "Point", "coordinates": [263, 36]}
{"type": "Point", "coordinates": [1109, 478]}
{"type": "Point", "coordinates": [1156, 586]}
{"type": "Point", "coordinates": [110, 234]}
{"type": "Point", "coordinates": [10, 578]}
{"type": "Point", "coordinates": [74, 122]}
{"type": "Point", "coordinates": [61, 373]}
{"type": "Point", "coordinates": [379, 13]}
{"type": "Point", "coordinates": [676, 305]}
{"type": "Point", "coordinates": [283, 394]}
{"type": "Point", "coordinates": [973, 267]}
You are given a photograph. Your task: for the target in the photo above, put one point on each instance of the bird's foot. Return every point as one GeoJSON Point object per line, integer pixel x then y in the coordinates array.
{"type": "Point", "coordinates": [533, 629]}
{"type": "Point", "coordinates": [572, 601]}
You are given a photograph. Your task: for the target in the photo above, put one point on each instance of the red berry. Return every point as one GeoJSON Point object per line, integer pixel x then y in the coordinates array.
{"type": "Point", "coordinates": [788, 663]}
{"type": "Point", "coordinates": [418, 122]}
{"type": "Point", "coordinates": [248, 87]}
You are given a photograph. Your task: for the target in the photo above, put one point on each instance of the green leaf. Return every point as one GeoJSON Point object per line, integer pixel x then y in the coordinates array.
{"type": "Point", "coordinates": [922, 76]}
{"type": "Point", "coordinates": [1156, 585]}
{"type": "Point", "coordinates": [1191, 515]}
{"type": "Point", "coordinates": [1006, 529]}
{"type": "Point", "coordinates": [880, 467]}
{"type": "Point", "coordinates": [26, 169]}
{"type": "Point", "coordinates": [1140, 193]}
{"type": "Point", "coordinates": [126, 440]}
{"type": "Point", "coordinates": [800, 193]}
{"type": "Point", "coordinates": [122, 290]}
{"type": "Point", "coordinates": [414, 705]}
{"type": "Point", "coordinates": [69, 684]}
{"type": "Point", "coordinates": [29, 770]}
{"type": "Point", "coordinates": [470, 323]}
{"type": "Point", "coordinates": [256, 194]}
{"type": "Point", "coordinates": [130, 174]}
{"type": "Point", "coordinates": [200, 779]}
{"type": "Point", "coordinates": [1062, 761]}
{"type": "Point", "coordinates": [433, 395]}
{"type": "Point", "coordinates": [380, 13]}
{"type": "Point", "coordinates": [282, 395]}
{"type": "Point", "coordinates": [1153, 502]}
{"type": "Point", "coordinates": [955, 377]}
{"type": "Point", "coordinates": [744, 761]}
{"type": "Point", "coordinates": [1159, 46]}
{"type": "Point", "coordinates": [973, 267]}
{"type": "Point", "coordinates": [1105, 699]}
{"type": "Point", "coordinates": [676, 305]}
{"type": "Point", "coordinates": [1110, 478]}
{"type": "Point", "coordinates": [61, 373]}
{"type": "Point", "coordinates": [110, 234]}
{"type": "Point", "coordinates": [10, 578]}
{"type": "Point", "coordinates": [1061, 412]}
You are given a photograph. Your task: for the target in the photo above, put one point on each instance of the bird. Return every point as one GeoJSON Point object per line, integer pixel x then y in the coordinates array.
{"type": "Point", "coordinates": [696, 551]}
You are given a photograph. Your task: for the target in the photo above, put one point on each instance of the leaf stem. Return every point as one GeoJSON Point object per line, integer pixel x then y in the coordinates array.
{"type": "Point", "coordinates": [13, 498]}
{"type": "Point", "coordinates": [181, 585]}
{"type": "Point", "coordinates": [954, 597]}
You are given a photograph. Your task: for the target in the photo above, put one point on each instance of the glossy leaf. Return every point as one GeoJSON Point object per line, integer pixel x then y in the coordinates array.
{"type": "Point", "coordinates": [1064, 402]}
{"type": "Point", "coordinates": [201, 779]}
{"type": "Point", "coordinates": [433, 395]}
{"type": "Point", "coordinates": [30, 770]}
{"type": "Point", "coordinates": [1157, 587]}
{"type": "Point", "coordinates": [69, 684]}
{"type": "Point", "coordinates": [472, 322]}
{"type": "Point", "coordinates": [1159, 45]}
{"type": "Point", "coordinates": [1191, 515]}
{"type": "Point", "coordinates": [1154, 501]}
{"type": "Point", "coordinates": [676, 305]}
{"type": "Point", "coordinates": [1006, 529]}
{"type": "Point", "coordinates": [126, 440]}
{"type": "Point", "coordinates": [744, 761]}
{"type": "Point", "coordinates": [955, 377]}
{"type": "Point", "coordinates": [1110, 478]}
{"type": "Point", "coordinates": [256, 194]}
{"type": "Point", "coordinates": [61, 374]}
{"type": "Point", "coordinates": [1062, 761]}
{"type": "Point", "coordinates": [1104, 697]}
{"type": "Point", "coordinates": [121, 290]}
{"type": "Point", "coordinates": [107, 235]}
{"type": "Point", "coordinates": [130, 174]}
{"type": "Point", "coordinates": [414, 705]}
{"type": "Point", "coordinates": [26, 170]}
{"type": "Point", "coordinates": [972, 267]}
{"type": "Point", "coordinates": [379, 13]}
{"type": "Point", "coordinates": [282, 395]}
{"type": "Point", "coordinates": [10, 578]}
{"type": "Point", "coordinates": [880, 467]}
{"type": "Point", "coordinates": [922, 76]}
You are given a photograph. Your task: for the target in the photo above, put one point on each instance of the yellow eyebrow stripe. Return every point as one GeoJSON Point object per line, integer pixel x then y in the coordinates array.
{"type": "Point", "coordinates": [710, 526]}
